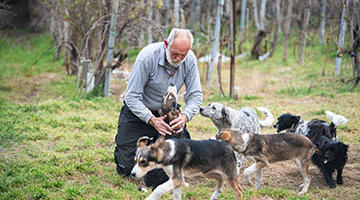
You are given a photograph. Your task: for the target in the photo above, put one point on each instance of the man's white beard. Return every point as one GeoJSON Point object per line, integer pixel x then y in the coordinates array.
{"type": "Point", "coordinates": [170, 60]}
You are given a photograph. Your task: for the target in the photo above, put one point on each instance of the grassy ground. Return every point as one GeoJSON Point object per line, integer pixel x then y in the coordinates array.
{"type": "Point", "coordinates": [57, 146]}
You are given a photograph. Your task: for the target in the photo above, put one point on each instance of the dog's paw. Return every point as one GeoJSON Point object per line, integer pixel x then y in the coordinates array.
{"type": "Point", "coordinates": [248, 181]}
{"type": "Point", "coordinates": [332, 185]}
{"type": "Point", "coordinates": [340, 181]}
{"type": "Point", "coordinates": [141, 189]}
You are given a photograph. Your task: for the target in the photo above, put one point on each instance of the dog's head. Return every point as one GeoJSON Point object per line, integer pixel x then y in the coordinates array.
{"type": "Point", "coordinates": [334, 151]}
{"type": "Point", "coordinates": [235, 138]}
{"type": "Point", "coordinates": [217, 113]}
{"type": "Point", "coordinates": [321, 128]}
{"type": "Point", "coordinates": [147, 156]}
{"type": "Point", "coordinates": [169, 103]}
{"type": "Point", "coordinates": [286, 121]}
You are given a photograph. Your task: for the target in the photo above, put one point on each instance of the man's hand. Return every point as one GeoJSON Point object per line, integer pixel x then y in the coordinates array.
{"type": "Point", "coordinates": [160, 125]}
{"type": "Point", "coordinates": [178, 123]}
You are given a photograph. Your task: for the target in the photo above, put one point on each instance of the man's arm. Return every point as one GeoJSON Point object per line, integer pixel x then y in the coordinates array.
{"type": "Point", "coordinates": [194, 94]}
{"type": "Point", "coordinates": [134, 100]}
{"type": "Point", "coordinates": [193, 98]}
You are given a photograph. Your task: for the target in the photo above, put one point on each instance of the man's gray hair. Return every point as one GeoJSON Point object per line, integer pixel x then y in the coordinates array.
{"type": "Point", "coordinates": [174, 32]}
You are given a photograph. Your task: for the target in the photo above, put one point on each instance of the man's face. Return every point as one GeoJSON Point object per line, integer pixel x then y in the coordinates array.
{"type": "Point", "coordinates": [176, 54]}
{"type": "Point", "coordinates": [175, 57]}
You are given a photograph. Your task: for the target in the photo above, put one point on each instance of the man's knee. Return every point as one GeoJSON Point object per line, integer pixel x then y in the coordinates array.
{"type": "Point", "coordinates": [123, 163]}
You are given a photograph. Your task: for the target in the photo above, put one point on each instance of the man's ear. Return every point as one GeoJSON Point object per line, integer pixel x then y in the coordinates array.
{"type": "Point", "coordinates": [142, 141]}
{"type": "Point", "coordinates": [224, 136]}
{"type": "Point", "coordinates": [166, 43]}
{"type": "Point", "coordinates": [159, 143]}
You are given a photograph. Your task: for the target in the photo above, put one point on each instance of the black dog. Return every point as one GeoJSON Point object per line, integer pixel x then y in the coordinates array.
{"type": "Point", "coordinates": [334, 157]}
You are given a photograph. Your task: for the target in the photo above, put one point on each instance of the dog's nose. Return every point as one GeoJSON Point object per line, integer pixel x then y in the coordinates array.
{"type": "Point", "coordinates": [275, 125]}
{"type": "Point", "coordinates": [133, 174]}
{"type": "Point", "coordinates": [201, 109]}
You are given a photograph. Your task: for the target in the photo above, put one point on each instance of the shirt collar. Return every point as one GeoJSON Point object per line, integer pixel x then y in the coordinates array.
{"type": "Point", "coordinates": [162, 56]}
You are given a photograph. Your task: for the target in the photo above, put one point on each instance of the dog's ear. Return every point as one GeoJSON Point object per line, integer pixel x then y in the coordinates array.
{"type": "Point", "coordinates": [224, 136]}
{"type": "Point", "coordinates": [159, 143]}
{"type": "Point", "coordinates": [345, 147]}
{"type": "Point", "coordinates": [226, 116]}
{"type": "Point", "coordinates": [297, 118]}
{"type": "Point", "coordinates": [143, 141]}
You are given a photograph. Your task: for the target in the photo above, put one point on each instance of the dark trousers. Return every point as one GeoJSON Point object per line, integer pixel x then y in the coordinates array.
{"type": "Point", "coordinates": [130, 129]}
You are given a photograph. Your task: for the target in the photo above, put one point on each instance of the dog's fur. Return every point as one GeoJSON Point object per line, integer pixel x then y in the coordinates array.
{"type": "Point", "coordinates": [187, 158]}
{"type": "Point", "coordinates": [169, 103]}
{"type": "Point", "coordinates": [265, 149]}
{"type": "Point", "coordinates": [333, 156]}
{"type": "Point", "coordinates": [245, 119]}
{"type": "Point", "coordinates": [295, 124]}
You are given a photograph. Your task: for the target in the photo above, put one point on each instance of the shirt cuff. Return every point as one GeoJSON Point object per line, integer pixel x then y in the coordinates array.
{"type": "Point", "coordinates": [148, 117]}
{"type": "Point", "coordinates": [187, 115]}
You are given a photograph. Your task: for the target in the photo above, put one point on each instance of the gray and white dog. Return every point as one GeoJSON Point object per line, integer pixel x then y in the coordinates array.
{"type": "Point", "coordinates": [245, 120]}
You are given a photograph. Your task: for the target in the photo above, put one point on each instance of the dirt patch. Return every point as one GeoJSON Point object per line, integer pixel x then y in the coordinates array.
{"type": "Point", "coordinates": [27, 89]}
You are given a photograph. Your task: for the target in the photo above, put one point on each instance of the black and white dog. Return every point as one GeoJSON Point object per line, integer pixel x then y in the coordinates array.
{"type": "Point", "coordinates": [333, 154]}
{"type": "Point", "coordinates": [294, 124]}
{"type": "Point", "coordinates": [182, 158]}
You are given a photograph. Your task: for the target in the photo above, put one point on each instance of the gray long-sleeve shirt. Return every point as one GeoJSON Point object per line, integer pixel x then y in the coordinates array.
{"type": "Point", "coordinates": [149, 81]}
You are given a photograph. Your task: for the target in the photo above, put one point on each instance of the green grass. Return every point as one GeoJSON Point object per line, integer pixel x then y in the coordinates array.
{"type": "Point", "coordinates": [57, 146]}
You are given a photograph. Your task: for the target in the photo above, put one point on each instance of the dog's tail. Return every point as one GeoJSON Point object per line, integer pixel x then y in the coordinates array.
{"type": "Point", "coordinates": [269, 117]}
{"type": "Point", "coordinates": [336, 119]}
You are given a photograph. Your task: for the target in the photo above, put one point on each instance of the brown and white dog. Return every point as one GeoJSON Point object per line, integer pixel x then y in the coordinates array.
{"type": "Point", "coordinates": [265, 149]}
{"type": "Point", "coordinates": [183, 158]}
{"type": "Point", "coordinates": [169, 104]}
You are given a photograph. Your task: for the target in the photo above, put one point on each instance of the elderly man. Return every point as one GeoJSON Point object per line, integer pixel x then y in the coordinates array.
{"type": "Point", "coordinates": [156, 67]}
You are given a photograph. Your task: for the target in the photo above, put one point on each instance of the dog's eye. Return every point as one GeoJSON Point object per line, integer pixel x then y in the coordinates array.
{"type": "Point", "coordinates": [213, 107]}
{"type": "Point", "coordinates": [142, 162]}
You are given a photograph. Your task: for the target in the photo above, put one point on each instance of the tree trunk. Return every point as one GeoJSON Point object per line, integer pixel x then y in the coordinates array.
{"type": "Point", "coordinates": [304, 31]}
{"type": "Point", "coordinates": [192, 14]}
{"type": "Point", "coordinates": [68, 48]}
{"type": "Point", "coordinates": [263, 14]}
{"type": "Point", "coordinates": [276, 29]}
{"type": "Point", "coordinates": [341, 38]}
{"type": "Point", "coordinates": [166, 18]}
{"type": "Point", "coordinates": [256, 18]}
{"type": "Point", "coordinates": [214, 44]}
{"type": "Point", "coordinates": [355, 30]}
{"type": "Point", "coordinates": [279, 15]}
{"type": "Point", "coordinates": [287, 28]}
{"type": "Point", "coordinates": [243, 16]}
{"type": "Point", "coordinates": [150, 18]}
{"type": "Point", "coordinates": [242, 24]}
{"type": "Point", "coordinates": [177, 12]}
{"type": "Point", "coordinates": [107, 82]}
{"type": "Point", "coordinates": [323, 18]}
{"type": "Point", "coordinates": [233, 40]}
{"type": "Point", "coordinates": [141, 38]}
